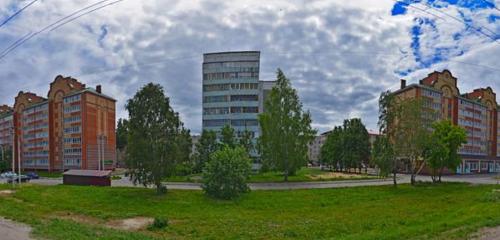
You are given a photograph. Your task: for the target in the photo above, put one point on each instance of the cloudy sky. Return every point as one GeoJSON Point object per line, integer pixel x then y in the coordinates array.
{"type": "Point", "coordinates": [339, 54]}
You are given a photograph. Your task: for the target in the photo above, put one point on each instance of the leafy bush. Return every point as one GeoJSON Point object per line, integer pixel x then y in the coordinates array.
{"type": "Point", "coordinates": [225, 175]}
{"type": "Point", "coordinates": [493, 196]}
{"type": "Point", "coordinates": [158, 223]}
{"type": "Point", "coordinates": [115, 177]}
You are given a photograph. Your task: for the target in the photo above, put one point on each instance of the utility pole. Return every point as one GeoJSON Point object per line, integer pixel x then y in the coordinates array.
{"type": "Point", "coordinates": [12, 134]}
{"type": "Point", "coordinates": [19, 162]}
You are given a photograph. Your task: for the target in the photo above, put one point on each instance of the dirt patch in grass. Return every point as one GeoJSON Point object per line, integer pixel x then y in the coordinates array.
{"type": "Point", "coordinates": [335, 175]}
{"type": "Point", "coordinates": [130, 224]}
{"type": "Point", "coordinates": [6, 193]}
{"type": "Point", "coordinates": [487, 234]}
{"type": "Point", "coordinates": [77, 218]}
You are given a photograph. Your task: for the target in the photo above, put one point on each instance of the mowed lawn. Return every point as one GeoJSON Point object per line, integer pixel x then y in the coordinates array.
{"type": "Point", "coordinates": [302, 175]}
{"type": "Point", "coordinates": [447, 211]}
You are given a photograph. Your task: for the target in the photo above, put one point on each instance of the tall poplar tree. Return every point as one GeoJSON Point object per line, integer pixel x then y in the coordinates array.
{"type": "Point", "coordinates": [157, 139]}
{"type": "Point", "coordinates": [204, 148]}
{"type": "Point", "coordinates": [286, 129]}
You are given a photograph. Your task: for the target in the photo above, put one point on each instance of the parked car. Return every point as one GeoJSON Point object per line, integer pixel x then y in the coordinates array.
{"type": "Point", "coordinates": [24, 178]}
{"type": "Point", "coordinates": [32, 175]}
{"type": "Point", "coordinates": [8, 175]}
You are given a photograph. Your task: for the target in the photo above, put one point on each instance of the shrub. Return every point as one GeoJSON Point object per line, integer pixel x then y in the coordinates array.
{"type": "Point", "coordinates": [158, 223]}
{"type": "Point", "coordinates": [116, 177]}
{"type": "Point", "coordinates": [225, 175]}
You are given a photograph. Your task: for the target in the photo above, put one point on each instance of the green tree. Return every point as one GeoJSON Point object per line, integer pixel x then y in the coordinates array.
{"type": "Point", "coordinates": [442, 150]}
{"type": "Point", "coordinates": [228, 137]}
{"type": "Point", "coordinates": [332, 150]}
{"type": "Point", "coordinates": [411, 135]}
{"type": "Point", "coordinates": [5, 159]}
{"type": "Point", "coordinates": [388, 113]}
{"type": "Point", "coordinates": [246, 142]}
{"type": "Point", "coordinates": [286, 129]}
{"type": "Point", "coordinates": [225, 175]}
{"type": "Point", "coordinates": [204, 148]}
{"type": "Point", "coordinates": [121, 134]}
{"type": "Point", "coordinates": [383, 157]}
{"type": "Point", "coordinates": [156, 137]}
{"type": "Point", "coordinates": [356, 144]}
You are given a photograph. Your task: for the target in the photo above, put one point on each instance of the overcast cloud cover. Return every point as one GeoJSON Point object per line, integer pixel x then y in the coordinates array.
{"type": "Point", "coordinates": [339, 54]}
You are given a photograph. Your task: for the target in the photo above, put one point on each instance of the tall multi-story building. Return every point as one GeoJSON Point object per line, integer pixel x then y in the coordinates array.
{"type": "Point", "coordinates": [74, 128]}
{"type": "Point", "coordinates": [6, 127]}
{"type": "Point", "coordinates": [477, 112]}
{"type": "Point", "coordinates": [232, 92]}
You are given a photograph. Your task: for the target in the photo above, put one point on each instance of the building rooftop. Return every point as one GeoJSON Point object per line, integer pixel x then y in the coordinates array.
{"type": "Point", "coordinates": [87, 173]}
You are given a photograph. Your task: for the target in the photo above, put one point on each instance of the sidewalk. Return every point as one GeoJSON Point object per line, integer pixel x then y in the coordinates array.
{"type": "Point", "coordinates": [403, 178]}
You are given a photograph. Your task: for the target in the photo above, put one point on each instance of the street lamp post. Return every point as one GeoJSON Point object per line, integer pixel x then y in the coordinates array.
{"type": "Point", "coordinates": [12, 150]}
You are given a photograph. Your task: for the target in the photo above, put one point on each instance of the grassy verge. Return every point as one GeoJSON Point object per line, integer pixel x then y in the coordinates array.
{"type": "Point", "coordinates": [303, 175]}
{"type": "Point", "coordinates": [405, 212]}
{"type": "Point", "coordinates": [45, 174]}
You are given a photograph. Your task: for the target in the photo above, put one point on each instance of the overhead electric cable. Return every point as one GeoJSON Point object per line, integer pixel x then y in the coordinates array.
{"type": "Point", "coordinates": [58, 24]}
{"type": "Point", "coordinates": [17, 13]}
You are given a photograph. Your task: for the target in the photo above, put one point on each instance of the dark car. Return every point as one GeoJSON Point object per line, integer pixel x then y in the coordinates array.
{"type": "Point", "coordinates": [32, 175]}
{"type": "Point", "coordinates": [24, 178]}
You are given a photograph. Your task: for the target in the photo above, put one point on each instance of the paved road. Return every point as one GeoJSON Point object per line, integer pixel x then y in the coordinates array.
{"type": "Point", "coordinates": [13, 231]}
{"type": "Point", "coordinates": [473, 179]}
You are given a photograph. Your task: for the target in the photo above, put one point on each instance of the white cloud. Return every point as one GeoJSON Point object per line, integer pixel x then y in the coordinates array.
{"type": "Point", "coordinates": [339, 54]}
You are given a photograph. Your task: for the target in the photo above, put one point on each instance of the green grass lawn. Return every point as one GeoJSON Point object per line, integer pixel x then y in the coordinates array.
{"type": "Point", "coordinates": [447, 211]}
{"type": "Point", "coordinates": [47, 174]}
{"type": "Point", "coordinates": [303, 175]}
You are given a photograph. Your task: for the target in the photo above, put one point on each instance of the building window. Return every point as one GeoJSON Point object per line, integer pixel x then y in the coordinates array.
{"type": "Point", "coordinates": [72, 99]}
{"type": "Point", "coordinates": [244, 98]}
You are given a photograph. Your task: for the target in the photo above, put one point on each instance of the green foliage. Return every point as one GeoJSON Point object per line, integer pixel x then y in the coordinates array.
{"type": "Point", "coordinates": [245, 141]}
{"type": "Point", "coordinates": [121, 134]}
{"type": "Point", "coordinates": [411, 134]}
{"type": "Point", "coordinates": [157, 139]}
{"type": "Point", "coordinates": [158, 224]}
{"type": "Point", "coordinates": [286, 129]}
{"type": "Point", "coordinates": [225, 175]}
{"type": "Point", "coordinates": [115, 177]}
{"type": "Point", "coordinates": [227, 136]}
{"type": "Point", "coordinates": [5, 159]}
{"type": "Point", "coordinates": [332, 150]}
{"type": "Point", "coordinates": [442, 148]}
{"type": "Point", "coordinates": [356, 144]}
{"type": "Point", "coordinates": [204, 148]}
{"type": "Point", "coordinates": [347, 146]}
{"type": "Point", "coordinates": [383, 156]}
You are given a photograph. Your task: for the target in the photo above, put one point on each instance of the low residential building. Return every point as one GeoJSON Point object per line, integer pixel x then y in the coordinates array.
{"type": "Point", "coordinates": [314, 150]}
{"type": "Point", "coordinates": [73, 128]}
{"type": "Point", "coordinates": [477, 112]}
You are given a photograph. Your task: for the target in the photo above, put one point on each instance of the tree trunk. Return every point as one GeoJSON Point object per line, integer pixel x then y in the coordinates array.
{"type": "Point", "coordinates": [412, 178]}
{"type": "Point", "coordinates": [159, 189]}
{"type": "Point", "coordinates": [286, 175]}
{"type": "Point", "coordinates": [394, 178]}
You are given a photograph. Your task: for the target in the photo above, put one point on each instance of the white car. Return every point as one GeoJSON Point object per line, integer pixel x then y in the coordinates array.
{"type": "Point", "coordinates": [8, 175]}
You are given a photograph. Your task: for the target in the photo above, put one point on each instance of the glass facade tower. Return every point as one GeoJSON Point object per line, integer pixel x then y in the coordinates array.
{"type": "Point", "coordinates": [231, 91]}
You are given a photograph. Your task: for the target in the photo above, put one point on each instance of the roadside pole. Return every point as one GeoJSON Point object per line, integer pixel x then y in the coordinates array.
{"type": "Point", "coordinates": [19, 162]}
{"type": "Point", "coordinates": [12, 150]}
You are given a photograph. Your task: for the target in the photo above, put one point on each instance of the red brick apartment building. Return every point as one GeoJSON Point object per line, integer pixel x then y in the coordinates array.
{"type": "Point", "coordinates": [73, 128]}
{"type": "Point", "coordinates": [477, 112]}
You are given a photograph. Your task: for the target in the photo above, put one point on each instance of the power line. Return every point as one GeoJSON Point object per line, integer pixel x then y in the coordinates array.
{"type": "Point", "coordinates": [58, 24]}
{"type": "Point", "coordinates": [451, 16]}
{"type": "Point", "coordinates": [19, 40]}
{"type": "Point", "coordinates": [464, 22]}
{"type": "Point", "coordinates": [17, 13]}
{"type": "Point", "coordinates": [85, 13]}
